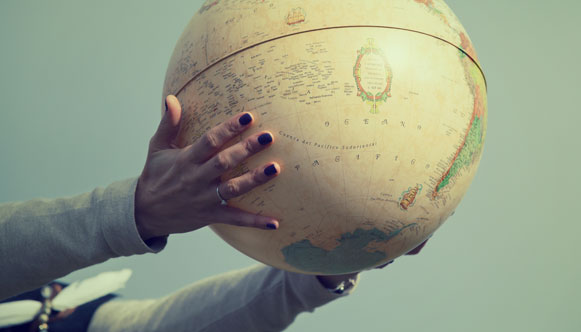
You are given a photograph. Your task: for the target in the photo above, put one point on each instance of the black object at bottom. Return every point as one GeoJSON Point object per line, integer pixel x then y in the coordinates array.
{"type": "Point", "coordinates": [78, 321]}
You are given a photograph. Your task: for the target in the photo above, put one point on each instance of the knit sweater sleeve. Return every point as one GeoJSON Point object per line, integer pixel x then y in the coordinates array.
{"type": "Point", "coordinates": [44, 239]}
{"type": "Point", "coordinates": [258, 298]}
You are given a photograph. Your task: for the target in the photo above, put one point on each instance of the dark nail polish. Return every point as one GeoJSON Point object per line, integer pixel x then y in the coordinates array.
{"type": "Point", "coordinates": [271, 226]}
{"type": "Point", "coordinates": [265, 138]}
{"type": "Point", "coordinates": [165, 105]}
{"type": "Point", "coordinates": [245, 119]}
{"type": "Point", "coordinates": [270, 170]}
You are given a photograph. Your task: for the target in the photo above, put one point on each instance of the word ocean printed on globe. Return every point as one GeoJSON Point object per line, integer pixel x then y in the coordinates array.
{"type": "Point", "coordinates": [378, 109]}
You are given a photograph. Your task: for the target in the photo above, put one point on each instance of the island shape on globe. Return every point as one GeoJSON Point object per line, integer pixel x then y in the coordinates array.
{"type": "Point", "coordinates": [378, 108]}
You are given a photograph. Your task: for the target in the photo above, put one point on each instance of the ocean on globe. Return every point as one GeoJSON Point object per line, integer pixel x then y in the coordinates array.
{"type": "Point", "coordinates": [378, 109]}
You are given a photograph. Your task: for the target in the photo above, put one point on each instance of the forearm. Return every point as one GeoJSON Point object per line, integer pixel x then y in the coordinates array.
{"type": "Point", "coordinates": [42, 239]}
{"type": "Point", "coordinates": [254, 299]}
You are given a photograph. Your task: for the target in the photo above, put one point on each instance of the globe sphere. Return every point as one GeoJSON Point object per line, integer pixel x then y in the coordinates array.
{"type": "Point", "coordinates": [378, 108]}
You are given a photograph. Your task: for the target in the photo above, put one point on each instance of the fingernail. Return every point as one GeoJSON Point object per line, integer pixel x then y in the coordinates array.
{"type": "Point", "coordinates": [271, 226]}
{"type": "Point", "coordinates": [265, 139]}
{"type": "Point", "coordinates": [245, 119]}
{"type": "Point", "coordinates": [270, 170]}
{"type": "Point", "coordinates": [165, 105]}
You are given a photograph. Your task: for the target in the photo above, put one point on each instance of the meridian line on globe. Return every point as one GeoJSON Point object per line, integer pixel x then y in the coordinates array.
{"type": "Point", "coordinates": [208, 66]}
{"type": "Point", "coordinates": [350, 255]}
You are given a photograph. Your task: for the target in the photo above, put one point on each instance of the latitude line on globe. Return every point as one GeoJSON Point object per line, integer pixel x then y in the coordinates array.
{"type": "Point", "coordinates": [321, 29]}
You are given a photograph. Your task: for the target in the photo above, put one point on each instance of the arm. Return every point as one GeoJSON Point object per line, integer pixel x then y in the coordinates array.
{"type": "Point", "coordinates": [254, 299]}
{"type": "Point", "coordinates": [259, 298]}
{"type": "Point", "coordinates": [42, 239]}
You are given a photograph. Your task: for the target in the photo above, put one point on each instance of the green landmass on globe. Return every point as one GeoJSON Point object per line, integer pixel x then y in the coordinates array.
{"type": "Point", "coordinates": [351, 254]}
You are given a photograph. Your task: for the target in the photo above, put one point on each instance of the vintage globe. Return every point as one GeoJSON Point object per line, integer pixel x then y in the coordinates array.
{"type": "Point", "coordinates": [378, 108]}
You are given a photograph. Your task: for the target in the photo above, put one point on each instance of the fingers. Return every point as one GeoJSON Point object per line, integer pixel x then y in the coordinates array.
{"type": "Point", "coordinates": [211, 142]}
{"type": "Point", "coordinates": [168, 126]}
{"type": "Point", "coordinates": [236, 217]}
{"type": "Point", "coordinates": [248, 181]}
{"type": "Point", "coordinates": [414, 251]}
{"type": "Point", "coordinates": [241, 185]}
{"type": "Point", "coordinates": [231, 157]}
{"type": "Point", "coordinates": [384, 265]}
{"type": "Point", "coordinates": [417, 249]}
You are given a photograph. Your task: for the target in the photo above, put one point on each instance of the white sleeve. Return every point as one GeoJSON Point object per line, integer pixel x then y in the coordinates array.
{"type": "Point", "coordinates": [41, 240]}
{"type": "Point", "coordinates": [258, 298]}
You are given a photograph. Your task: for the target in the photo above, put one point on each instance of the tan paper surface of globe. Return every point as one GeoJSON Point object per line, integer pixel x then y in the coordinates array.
{"type": "Point", "coordinates": [378, 109]}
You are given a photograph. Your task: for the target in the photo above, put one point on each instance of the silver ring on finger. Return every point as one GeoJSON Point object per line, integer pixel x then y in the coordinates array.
{"type": "Point", "coordinates": [222, 200]}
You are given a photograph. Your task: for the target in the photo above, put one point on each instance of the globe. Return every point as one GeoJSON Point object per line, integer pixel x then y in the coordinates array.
{"type": "Point", "coordinates": [378, 109]}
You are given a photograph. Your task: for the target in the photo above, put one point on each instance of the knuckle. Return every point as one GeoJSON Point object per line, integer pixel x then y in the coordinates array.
{"type": "Point", "coordinates": [248, 146]}
{"type": "Point", "coordinates": [258, 176]}
{"type": "Point", "coordinates": [221, 162]}
{"type": "Point", "coordinates": [185, 181]}
{"type": "Point", "coordinates": [183, 163]}
{"type": "Point", "coordinates": [246, 221]}
{"type": "Point", "coordinates": [211, 140]}
{"type": "Point", "coordinates": [232, 188]}
{"type": "Point", "coordinates": [232, 127]}
{"type": "Point", "coordinates": [254, 221]}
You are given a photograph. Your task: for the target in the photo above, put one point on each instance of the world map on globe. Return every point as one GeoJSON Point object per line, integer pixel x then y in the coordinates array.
{"type": "Point", "coordinates": [378, 109]}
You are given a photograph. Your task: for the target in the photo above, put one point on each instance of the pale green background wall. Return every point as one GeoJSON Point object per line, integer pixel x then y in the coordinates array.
{"type": "Point", "coordinates": [80, 89]}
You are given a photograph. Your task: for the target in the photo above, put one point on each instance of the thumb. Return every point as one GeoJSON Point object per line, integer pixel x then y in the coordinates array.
{"type": "Point", "coordinates": [168, 126]}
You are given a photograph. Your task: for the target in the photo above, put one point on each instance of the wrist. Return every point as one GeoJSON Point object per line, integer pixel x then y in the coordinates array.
{"type": "Point", "coordinates": [141, 217]}
{"type": "Point", "coordinates": [142, 229]}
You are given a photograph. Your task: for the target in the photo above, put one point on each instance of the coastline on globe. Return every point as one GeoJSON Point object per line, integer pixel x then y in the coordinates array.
{"type": "Point", "coordinates": [378, 109]}
{"type": "Point", "coordinates": [351, 255]}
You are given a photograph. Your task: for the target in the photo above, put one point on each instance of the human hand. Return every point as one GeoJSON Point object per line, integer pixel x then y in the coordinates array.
{"type": "Point", "coordinates": [180, 189]}
{"type": "Point", "coordinates": [412, 252]}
